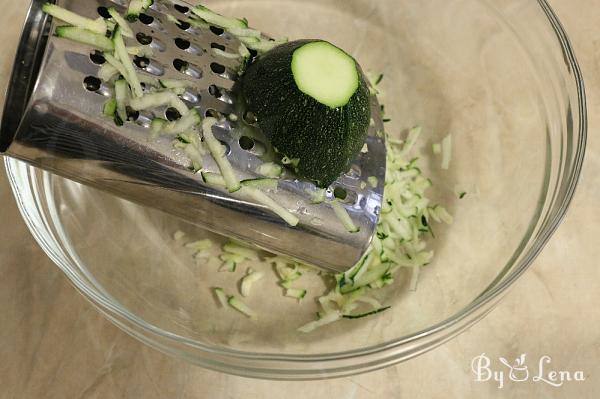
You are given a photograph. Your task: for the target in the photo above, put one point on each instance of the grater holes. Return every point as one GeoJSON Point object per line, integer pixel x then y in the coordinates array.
{"type": "Point", "coordinates": [226, 147]}
{"type": "Point", "coordinates": [146, 19]}
{"type": "Point", "coordinates": [247, 143]}
{"type": "Point", "coordinates": [188, 46]}
{"type": "Point", "coordinates": [214, 91]}
{"type": "Point", "coordinates": [183, 25]}
{"type": "Point", "coordinates": [222, 71]}
{"type": "Point", "coordinates": [217, 46]}
{"type": "Point", "coordinates": [211, 113]}
{"type": "Point", "coordinates": [148, 65]}
{"type": "Point", "coordinates": [182, 43]}
{"type": "Point", "coordinates": [132, 115]}
{"type": "Point", "coordinates": [97, 57]}
{"type": "Point", "coordinates": [141, 62]}
{"type": "Point", "coordinates": [217, 31]}
{"type": "Point", "coordinates": [217, 68]}
{"type": "Point", "coordinates": [103, 12]}
{"type": "Point", "coordinates": [187, 68]}
{"type": "Point", "coordinates": [191, 97]}
{"type": "Point", "coordinates": [182, 9]}
{"type": "Point", "coordinates": [144, 39]}
{"type": "Point", "coordinates": [172, 114]}
{"type": "Point", "coordinates": [340, 193]}
{"type": "Point", "coordinates": [92, 83]}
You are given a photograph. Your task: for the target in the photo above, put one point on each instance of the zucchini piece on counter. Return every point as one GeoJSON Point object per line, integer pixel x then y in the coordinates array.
{"type": "Point", "coordinates": [313, 103]}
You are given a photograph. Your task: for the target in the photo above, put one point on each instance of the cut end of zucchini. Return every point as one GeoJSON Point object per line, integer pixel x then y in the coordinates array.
{"type": "Point", "coordinates": [326, 73]}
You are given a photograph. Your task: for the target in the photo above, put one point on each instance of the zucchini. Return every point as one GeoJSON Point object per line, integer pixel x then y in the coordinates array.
{"type": "Point", "coordinates": [123, 56]}
{"type": "Point", "coordinates": [96, 26]}
{"type": "Point", "coordinates": [213, 179]}
{"type": "Point", "coordinates": [110, 108]}
{"type": "Point", "coordinates": [121, 95]}
{"type": "Point", "coordinates": [242, 307]}
{"type": "Point", "coordinates": [156, 100]}
{"type": "Point", "coordinates": [296, 293]}
{"type": "Point", "coordinates": [344, 218]}
{"type": "Point", "coordinates": [136, 7]}
{"type": "Point", "coordinates": [216, 149]}
{"type": "Point", "coordinates": [219, 20]}
{"type": "Point", "coordinates": [185, 123]}
{"type": "Point", "coordinates": [156, 128]}
{"type": "Point", "coordinates": [262, 183]}
{"type": "Point", "coordinates": [324, 116]}
{"type": "Point", "coordinates": [221, 296]}
{"type": "Point", "coordinates": [125, 28]}
{"type": "Point", "coordinates": [247, 282]}
{"type": "Point", "coordinates": [270, 169]}
{"type": "Point", "coordinates": [265, 200]}
{"type": "Point", "coordinates": [85, 36]}
{"type": "Point", "coordinates": [107, 72]}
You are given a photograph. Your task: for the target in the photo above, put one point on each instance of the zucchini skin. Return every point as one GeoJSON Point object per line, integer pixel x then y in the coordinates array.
{"type": "Point", "coordinates": [326, 140]}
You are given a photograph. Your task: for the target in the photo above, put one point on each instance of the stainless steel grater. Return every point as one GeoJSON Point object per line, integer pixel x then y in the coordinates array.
{"type": "Point", "coordinates": [53, 120]}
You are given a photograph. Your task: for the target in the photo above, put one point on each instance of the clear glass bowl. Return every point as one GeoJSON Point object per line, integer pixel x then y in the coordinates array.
{"type": "Point", "coordinates": [500, 76]}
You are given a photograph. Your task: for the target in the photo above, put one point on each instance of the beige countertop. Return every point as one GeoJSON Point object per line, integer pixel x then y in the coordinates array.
{"type": "Point", "coordinates": [53, 344]}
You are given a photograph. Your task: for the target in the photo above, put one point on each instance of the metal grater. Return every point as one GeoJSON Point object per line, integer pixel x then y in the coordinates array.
{"type": "Point", "coordinates": [53, 122]}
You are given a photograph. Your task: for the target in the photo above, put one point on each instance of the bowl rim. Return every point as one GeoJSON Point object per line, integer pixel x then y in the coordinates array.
{"type": "Point", "coordinates": [327, 368]}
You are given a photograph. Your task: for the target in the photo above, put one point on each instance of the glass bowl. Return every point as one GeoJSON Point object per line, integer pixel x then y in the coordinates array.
{"type": "Point", "coordinates": [500, 77]}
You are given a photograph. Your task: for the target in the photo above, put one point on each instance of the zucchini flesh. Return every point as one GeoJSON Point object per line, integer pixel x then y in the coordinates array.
{"type": "Point", "coordinates": [85, 36]}
{"type": "Point", "coordinates": [110, 108]}
{"type": "Point", "coordinates": [241, 307]}
{"type": "Point", "coordinates": [125, 28]}
{"type": "Point", "coordinates": [107, 72]}
{"type": "Point", "coordinates": [218, 20]}
{"type": "Point", "coordinates": [123, 56]}
{"type": "Point", "coordinates": [216, 149]}
{"type": "Point", "coordinates": [96, 26]}
{"type": "Point", "coordinates": [325, 73]}
{"type": "Point", "coordinates": [221, 296]}
{"type": "Point", "coordinates": [344, 218]}
{"type": "Point", "coordinates": [265, 200]}
{"type": "Point", "coordinates": [136, 7]}
{"type": "Point", "coordinates": [264, 183]}
{"type": "Point", "coordinates": [121, 95]}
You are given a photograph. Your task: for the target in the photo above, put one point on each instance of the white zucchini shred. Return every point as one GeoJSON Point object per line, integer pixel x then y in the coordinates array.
{"type": "Point", "coordinates": [327, 318]}
{"type": "Point", "coordinates": [436, 148]}
{"type": "Point", "coordinates": [270, 169]}
{"type": "Point", "coordinates": [107, 72]}
{"type": "Point", "coordinates": [123, 56]}
{"type": "Point", "coordinates": [93, 25]}
{"type": "Point", "coordinates": [200, 245]}
{"type": "Point", "coordinates": [268, 202]}
{"type": "Point", "coordinates": [241, 307]}
{"type": "Point", "coordinates": [221, 297]}
{"type": "Point", "coordinates": [317, 197]}
{"type": "Point", "coordinates": [248, 281]}
{"type": "Point", "coordinates": [121, 22]}
{"type": "Point", "coordinates": [217, 19]}
{"type": "Point", "coordinates": [217, 151]}
{"type": "Point", "coordinates": [296, 293]}
{"type": "Point", "coordinates": [344, 217]}
{"type": "Point", "coordinates": [243, 251]}
{"type": "Point", "coordinates": [220, 53]}
{"type": "Point", "coordinates": [446, 152]}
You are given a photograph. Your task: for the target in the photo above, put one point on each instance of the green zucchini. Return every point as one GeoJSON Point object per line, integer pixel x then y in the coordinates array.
{"type": "Point", "coordinates": [85, 36]}
{"type": "Point", "coordinates": [313, 103]}
{"type": "Point", "coordinates": [136, 7]}
{"type": "Point", "coordinates": [92, 25]}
